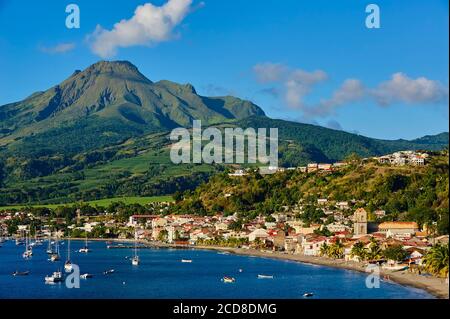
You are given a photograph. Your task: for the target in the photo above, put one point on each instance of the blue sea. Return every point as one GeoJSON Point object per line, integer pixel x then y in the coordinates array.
{"type": "Point", "coordinates": [161, 274]}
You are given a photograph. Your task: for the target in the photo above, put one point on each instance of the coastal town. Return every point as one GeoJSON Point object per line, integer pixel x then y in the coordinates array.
{"type": "Point", "coordinates": [345, 231]}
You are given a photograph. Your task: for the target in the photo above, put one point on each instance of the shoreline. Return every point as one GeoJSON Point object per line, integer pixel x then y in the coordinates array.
{"type": "Point", "coordinates": [433, 285]}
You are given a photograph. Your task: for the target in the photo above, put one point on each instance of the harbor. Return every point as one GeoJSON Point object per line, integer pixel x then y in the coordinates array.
{"type": "Point", "coordinates": [161, 273]}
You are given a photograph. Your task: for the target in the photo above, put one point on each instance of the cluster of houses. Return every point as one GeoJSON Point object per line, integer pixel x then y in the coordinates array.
{"type": "Point", "coordinates": [400, 158]}
{"type": "Point", "coordinates": [309, 168]}
{"type": "Point", "coordinates": [404, 158]}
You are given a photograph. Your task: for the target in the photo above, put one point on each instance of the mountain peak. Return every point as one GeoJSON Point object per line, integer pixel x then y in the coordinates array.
{"type": "Point", "coordinates": [123, 69]}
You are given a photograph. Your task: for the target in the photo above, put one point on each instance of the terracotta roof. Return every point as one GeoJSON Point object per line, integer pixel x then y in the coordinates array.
{"type": "Point", "coordinates": [398, 225]}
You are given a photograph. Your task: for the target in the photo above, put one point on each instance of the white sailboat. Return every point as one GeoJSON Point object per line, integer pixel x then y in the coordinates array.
{"type": "Point", "coordinates": [135, 260]}
{"type": "Point", "coordinates": [28, 250]}
{"type": "Point", "coordinates": [85, 249]}
{"type": "Point", "coordinates": [49, 246]}
{"type": "Point", "coordinates": [68, 264]}
{"type": "Point", "coordinates": [37, 241]}
{"type": "Point", "coordinates": [55, 255]}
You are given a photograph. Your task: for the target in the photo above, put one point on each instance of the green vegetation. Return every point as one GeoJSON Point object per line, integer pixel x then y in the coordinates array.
{"type": "Point", "coordinates": [396, 253]}
{"type": "Point", "coordinates": [102, 202]}
{"type": "Point", "coordinates": [406, 193]}
{"type": "Point", "coordinates": [436, 260]}
{"type": "Point", "coordinates": [335, 250]}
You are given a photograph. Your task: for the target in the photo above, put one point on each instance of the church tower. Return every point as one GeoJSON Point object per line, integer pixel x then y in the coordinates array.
{"type": "Point", "coordinates": [360, 222]}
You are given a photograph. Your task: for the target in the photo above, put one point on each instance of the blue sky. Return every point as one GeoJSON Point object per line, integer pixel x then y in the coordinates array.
{"type": "Point", "coordinates": [311, 61]}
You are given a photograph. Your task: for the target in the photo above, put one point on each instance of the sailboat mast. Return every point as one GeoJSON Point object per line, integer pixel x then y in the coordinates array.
{"type": "Point", "coordinates": [68, 249]}
{"type": "Point", "coordinates": [135, 243]}
{"type": "Point", "coordinates": [57, 244]}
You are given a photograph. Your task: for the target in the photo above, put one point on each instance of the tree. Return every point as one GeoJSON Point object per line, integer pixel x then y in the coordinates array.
{"type": "Point", "coordinates": [395, 252]}
{"type": "Point", "coordinates": [353, 159]}
{"type": "Point", "coordinates": [324, 250]}
{"type": "Point", "coordinates": [436, 260]}
{"type": "Point", "coordinates": [163, 235]}
{"type": "Point", "coordinates": [324, 231]}
{"type": "Point", "coordinates": [270, 219]}
{"type": "Point", "coordinates": [358, 250]}
{"type": "Point", "coordinates": [374, 251]}
{"type": "Point", "coordinates": [235, 225]}
{"type": "Point", "coordinates": [336, 250]}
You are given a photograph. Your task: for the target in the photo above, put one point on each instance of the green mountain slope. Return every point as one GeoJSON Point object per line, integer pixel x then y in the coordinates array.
{"type": "Point", "coordinates": [301, 143]}
{"type": "Point", "coordinates": [107, 103]}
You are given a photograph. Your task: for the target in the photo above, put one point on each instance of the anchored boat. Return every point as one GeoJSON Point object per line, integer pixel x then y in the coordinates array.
{"type": "Point", "coordinates": [265, 276]}
{"type": "Point", "coordinates": [228, 279]}
{"type": "Point", "coordinates": [85, 249]}
{"type": "Point", "coordinates": [135, 261]}
{"type": "Point", "coordinates": [57, 276]}
{"type": "Point", "coordinates": [68, 264]}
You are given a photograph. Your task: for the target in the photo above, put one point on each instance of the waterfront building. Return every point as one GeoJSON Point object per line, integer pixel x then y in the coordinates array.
{"type": "Point", "coordinates": [398, 229]}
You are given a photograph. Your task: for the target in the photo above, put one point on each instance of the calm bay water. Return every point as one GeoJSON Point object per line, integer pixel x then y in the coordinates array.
{"type": "Point", "coordinates": [162, 275]}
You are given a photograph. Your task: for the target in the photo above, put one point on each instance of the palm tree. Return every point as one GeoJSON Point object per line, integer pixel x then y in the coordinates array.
{"type": "Point", "coordinates": [375, 251]}
{"type": "Point", "coordinates": [358, 250]}
{"type": "Point", "coordinates": [324, 249]}
{"type": "Point", "coordinates": [337, 250]}
{"type": "Point", "coordinates": [436, 261]}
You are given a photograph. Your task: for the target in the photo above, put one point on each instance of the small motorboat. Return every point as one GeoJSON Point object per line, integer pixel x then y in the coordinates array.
{"type": "Point", "coordinates": [228, 279]}
{"type": "Point", "coordinates": [57, 276]}
{"type": "Point", "coordinates": [54, 257]}
{"type": "Point", "coordinates": [135, 261]}
{"type": "Point", "coordinates": [20, 273]}
{"type": "Point", "coordinates": [308, 294]}
{"type": "Point", "coordinates": [86, 276]}
{"type": "Point", "coordinates": [186, 260]}
{"type": "Point", "coordinates": [68, 267]}
{"type": "Point", "coordinates": [265, 276]}
{"type": "Point", "coordinates": [108, 272]}
{"type": "Point", "coordinates": [240, 270]}
{"type": "Point", "coordinates": [27, 254]}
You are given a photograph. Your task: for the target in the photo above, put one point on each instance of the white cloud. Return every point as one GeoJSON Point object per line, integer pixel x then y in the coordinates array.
{"type": "Point", "coordinates": [149, 25]}
{"type": "Point", "coordinates": [299, 84]}
{"type": "Point", "coordinates": [269, 72]}
{"type": "Point", "coordinates": [351, 90]}
{"type": "Point", "coordinates": [294, 85]}
{"type": "Point", "coordinates": [401, 88]}
{"type": "Point", "coordinates": [59, 48]}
